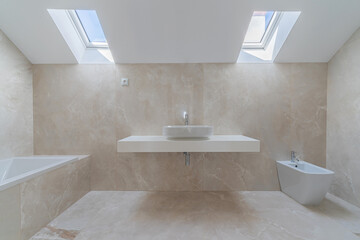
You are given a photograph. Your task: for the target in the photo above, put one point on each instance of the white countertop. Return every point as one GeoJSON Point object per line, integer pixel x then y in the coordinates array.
{"type": "Point", "coordinates": [216, 143]}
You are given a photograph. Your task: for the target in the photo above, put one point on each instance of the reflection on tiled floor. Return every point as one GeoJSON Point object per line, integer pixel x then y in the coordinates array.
{"type": "Point", "coordinates": [343, 212]}
{"type": "Point", "coordinates": [192, 215]}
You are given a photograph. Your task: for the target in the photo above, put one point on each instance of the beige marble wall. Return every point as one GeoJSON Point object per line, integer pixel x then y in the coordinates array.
{"type": "Point", "coordinates": [343, 126]}
{"type": "Point", "coordinates": [16, 101]}
{"type": "Point", "coordinates": [44, 197]}
{"type": "Point", "coordinates": [10, 213]}
{"type": "Point", "coordinates": [81, 109]}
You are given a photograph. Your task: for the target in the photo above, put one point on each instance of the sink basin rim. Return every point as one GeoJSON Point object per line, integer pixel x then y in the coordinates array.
{"type": "Point", "coordinates": [188, 131]}
{"type": "Point", "coordinates": [188, 126]}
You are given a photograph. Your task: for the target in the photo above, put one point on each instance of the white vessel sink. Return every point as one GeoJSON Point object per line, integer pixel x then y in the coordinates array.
{"type": "Point", "coordinates": [187, 131]}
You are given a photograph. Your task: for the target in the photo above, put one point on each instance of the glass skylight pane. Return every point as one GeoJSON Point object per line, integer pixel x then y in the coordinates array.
{"type": "Point", "coordinates": [91, 24]}
{"type": "Point", "coordinates": [259, 23]}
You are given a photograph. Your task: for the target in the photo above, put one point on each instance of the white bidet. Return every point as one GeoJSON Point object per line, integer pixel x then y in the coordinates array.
{"type": "Point", "coordinates": [303, 181]}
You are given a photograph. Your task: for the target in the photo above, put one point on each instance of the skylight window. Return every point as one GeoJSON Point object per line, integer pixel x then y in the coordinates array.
{"type": "Point", "coordinates": [89, 28]}
{"type": "Point", "coordinates": [260, 29]}
{"type": "Point", "coordinates": [266, 35]}
{"type": "Point", "coordinates": [82, 31]}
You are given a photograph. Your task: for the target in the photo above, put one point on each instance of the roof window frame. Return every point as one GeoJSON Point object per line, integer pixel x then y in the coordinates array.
{"type": "Point", "coordinates": [82, 33]}
{"type": "Point", "coordinates": [274, 22]}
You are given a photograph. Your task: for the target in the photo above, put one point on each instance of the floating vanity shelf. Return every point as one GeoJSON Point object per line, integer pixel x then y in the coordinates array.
{"type": "Point", "coordinates": [216, 143]}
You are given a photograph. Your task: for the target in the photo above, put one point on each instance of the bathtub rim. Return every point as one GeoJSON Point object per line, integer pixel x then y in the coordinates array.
{"type": "Point", "coordinates": [37, 172]}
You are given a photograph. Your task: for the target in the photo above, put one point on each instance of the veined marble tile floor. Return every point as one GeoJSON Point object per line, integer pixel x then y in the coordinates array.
{"type": "Point", "coordinates": [117, 215]}
{"type": "Point", "coordinates": [343, 212]}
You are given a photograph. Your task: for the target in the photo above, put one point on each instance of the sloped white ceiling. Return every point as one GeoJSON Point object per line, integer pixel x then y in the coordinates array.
{"type": "Point", "coordinates": [180, 31]}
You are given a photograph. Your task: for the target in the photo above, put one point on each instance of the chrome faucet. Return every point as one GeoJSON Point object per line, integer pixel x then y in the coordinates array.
{"type": "Point", "coordinates": [294, 158]}
{"type": "Point", "coordinates": [186, 117]}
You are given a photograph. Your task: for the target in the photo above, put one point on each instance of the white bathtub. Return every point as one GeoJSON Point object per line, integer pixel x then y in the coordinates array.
{"type": "Point", "coordinates": [19, 169]}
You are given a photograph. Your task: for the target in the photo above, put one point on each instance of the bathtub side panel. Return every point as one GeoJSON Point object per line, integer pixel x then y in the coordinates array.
{"type": "Point", "coordinates": [10, 213]}
{"type": "Point", "coordinates": [46, 196]}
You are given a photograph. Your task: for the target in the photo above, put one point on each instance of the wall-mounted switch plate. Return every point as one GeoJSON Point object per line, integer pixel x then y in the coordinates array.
{"type": "Point", "coordinates": [124, 82]}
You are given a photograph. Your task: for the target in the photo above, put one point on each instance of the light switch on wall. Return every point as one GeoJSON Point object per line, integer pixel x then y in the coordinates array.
{"type": "Point", "coordinates": [124, 82]}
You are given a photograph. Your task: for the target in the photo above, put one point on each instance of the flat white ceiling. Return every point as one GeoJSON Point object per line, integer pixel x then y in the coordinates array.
{"type": "Point", "coordinates": [180, 31]}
